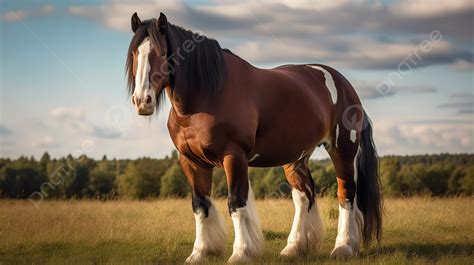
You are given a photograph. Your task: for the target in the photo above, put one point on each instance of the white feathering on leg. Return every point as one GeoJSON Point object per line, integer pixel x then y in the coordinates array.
{"type": "Point", "coordinates": [349, 231]}
{"type": "Point", "coordinates": [210, 235]}
{"type": "Point", "coordinates": [307, 229]}
{"type": "Point", "coordinates": [248, 234]}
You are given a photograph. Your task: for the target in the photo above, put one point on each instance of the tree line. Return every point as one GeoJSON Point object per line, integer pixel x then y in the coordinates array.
{"type": "Point", "coordinates": [144, 178]}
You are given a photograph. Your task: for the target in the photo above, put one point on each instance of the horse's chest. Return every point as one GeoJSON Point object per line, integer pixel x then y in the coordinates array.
{"type": "Point", "coordinates": [200, 141]}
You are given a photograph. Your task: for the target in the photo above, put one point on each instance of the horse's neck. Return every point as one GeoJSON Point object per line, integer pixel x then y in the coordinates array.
{"type": "Point", "coordinates": [234, 63]}
{"type": "Point", "coordinates": [178, 106]}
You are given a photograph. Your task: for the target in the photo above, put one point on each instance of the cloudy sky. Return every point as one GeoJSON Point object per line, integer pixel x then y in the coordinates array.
{"type": "Point", "coordinates": [62, 68]}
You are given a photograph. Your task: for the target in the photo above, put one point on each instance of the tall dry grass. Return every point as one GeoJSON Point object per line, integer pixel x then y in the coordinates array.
{"type": "Point", "coordinates": [416, 231]}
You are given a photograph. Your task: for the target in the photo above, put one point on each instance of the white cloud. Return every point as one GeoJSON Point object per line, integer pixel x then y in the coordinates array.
{"type": "Point", "coordinates": [75, 120]}
{"type": "Point", "coordinates": [277, 51]}
{"type": "Point", "coordinates": [4, 130]}
{"type": "Point", "coordinates": [424, 137]}
{"type": "Point", "coordinates": [17, 15]}
{"type": "Point", "coordinates": [426, 8]}
{"type": "Point", "coordinates": [461, 103]}
{"type": "Point", "coordinates": [368, 89]}
{"type": "Point", "coordinates": [66, 113]}
{"type": "Point", "coordinates": [46, 9]}
{"type": "Point", "coordinates": [117, 14]}
{"type": "Point", "coordinates": [463, 66]}
{"type": "Point", "coordinates": [14, 15]}
{"type": "Point", "coordinates": [44, 142]}
{"type": "Point", "coordinates": [357, 34]}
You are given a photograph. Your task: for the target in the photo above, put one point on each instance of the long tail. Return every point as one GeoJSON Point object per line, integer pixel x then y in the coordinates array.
{"type": "Point", "coordinates": [369, 199]}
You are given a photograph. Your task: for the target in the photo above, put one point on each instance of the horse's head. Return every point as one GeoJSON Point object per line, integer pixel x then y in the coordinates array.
{"type": "Point", "coordinates": [147, 63]}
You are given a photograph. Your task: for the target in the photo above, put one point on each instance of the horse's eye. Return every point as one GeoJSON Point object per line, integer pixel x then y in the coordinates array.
{"type": "Point", "coordinates": [163, 54]}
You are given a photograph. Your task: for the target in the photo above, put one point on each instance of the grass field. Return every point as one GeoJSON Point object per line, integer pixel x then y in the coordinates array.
{"type": "Point", "coordinates": [416, 231]}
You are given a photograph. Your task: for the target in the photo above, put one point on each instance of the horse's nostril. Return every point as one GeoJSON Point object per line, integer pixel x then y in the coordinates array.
{"type": "Point", "coordinates": [148, 99]}
{"type": "Point", "coordinates": [133, 100]}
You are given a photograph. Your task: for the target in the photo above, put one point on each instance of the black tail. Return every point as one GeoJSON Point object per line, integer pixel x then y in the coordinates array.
{"type": "Point", "coordinates": [369, 199]}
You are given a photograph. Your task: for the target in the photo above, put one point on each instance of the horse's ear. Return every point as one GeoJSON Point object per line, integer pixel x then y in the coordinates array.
{"type": "Point", "coordinates": [163, 23]}
{"type": "Point", "coordinates": [136, 22]}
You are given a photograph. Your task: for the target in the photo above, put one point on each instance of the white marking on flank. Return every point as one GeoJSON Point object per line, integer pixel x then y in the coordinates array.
{"type": "Point", "coordinates": [254, 157]}
{"type": "Point", "coordinates": [353, 136]}
{"type": "Point", "coordinates": [329, 82]}
{"type": "Point", "coordinates": [337, 133]}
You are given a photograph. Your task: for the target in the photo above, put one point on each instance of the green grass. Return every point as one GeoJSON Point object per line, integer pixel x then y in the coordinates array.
{"type": "Point", "coordinates": [416, 231]}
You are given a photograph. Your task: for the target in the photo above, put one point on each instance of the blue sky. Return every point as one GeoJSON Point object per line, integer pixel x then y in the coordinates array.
{"type": "Point", "coordinates": [62, 68]}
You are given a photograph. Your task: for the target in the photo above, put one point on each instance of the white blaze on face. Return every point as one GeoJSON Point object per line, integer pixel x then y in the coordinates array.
{"type": "Point", "coordinates": [142, 80]}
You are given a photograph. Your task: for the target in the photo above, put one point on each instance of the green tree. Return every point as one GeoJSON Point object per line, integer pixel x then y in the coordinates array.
{"type": "Point", "coordinates": [102, 179]}
{"type": "Point", "coordinates": [256, 177]}
{"type": "Point", "coordinates": [467, 182]}
{"type": "Point", "coordinates": [142, 178]}
{"type": "Point", "coordinates": [81, 168]}
{"type": "Point", "coordinates": [219, 183]}
{"type": "Point", "coordinates": [173, 183]}
{"type": "Point", "coordinates": [390, 183]}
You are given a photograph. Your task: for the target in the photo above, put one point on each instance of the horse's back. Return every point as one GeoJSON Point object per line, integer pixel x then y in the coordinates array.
{"type": "Point", "coordinates": [327, 84]}
{"type": "Point", "coordinates": [299, 97]}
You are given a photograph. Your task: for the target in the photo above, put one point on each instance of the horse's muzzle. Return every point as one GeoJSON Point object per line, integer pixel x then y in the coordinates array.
{"type": "Point", "coordinates": [144, 107]}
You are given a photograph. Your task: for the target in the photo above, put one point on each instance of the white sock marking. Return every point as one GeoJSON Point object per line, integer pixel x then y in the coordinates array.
{"type": "Point", "coordinates": [329, 82]}
{"type": "Point", "coordinates": [350, 226]}
{"type": "Point", "coordinates": [248, 234]}
{"type": "Point", "coordinates": [307, 229]}
{"type": "Point", "coordinates": [210, 235]}
{"type": "Point", "coordinates": [349, 229]}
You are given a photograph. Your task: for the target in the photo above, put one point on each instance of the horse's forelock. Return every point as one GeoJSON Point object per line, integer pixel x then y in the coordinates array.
{"type": "Point", "coordinates": [140, 34]}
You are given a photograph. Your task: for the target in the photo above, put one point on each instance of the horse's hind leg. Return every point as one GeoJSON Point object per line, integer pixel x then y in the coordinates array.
{"type": "Point", "coordinates": [210, 230]}
{"type": "Point", "coordinates": [307, 231]}
{"type": "Point", "coordinates": [351, 222]}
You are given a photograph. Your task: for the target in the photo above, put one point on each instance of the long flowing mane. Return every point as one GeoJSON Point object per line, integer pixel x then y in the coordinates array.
{"type": "Point", "coordinates": [196, 62]}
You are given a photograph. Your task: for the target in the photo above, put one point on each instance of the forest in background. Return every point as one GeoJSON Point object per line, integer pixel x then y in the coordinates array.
{"type": "Point", "coordinates": [147, 178]}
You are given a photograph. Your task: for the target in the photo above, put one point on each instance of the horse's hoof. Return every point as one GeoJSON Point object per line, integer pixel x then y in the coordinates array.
{"type": "Point", "coordinates": [196, 258]}
{"type": "Point", "coordinates": [342, 252]}
{"type": "Point", "coordinates": [291, 250]}
{"type": "Point", "coordinates": [238, 258]}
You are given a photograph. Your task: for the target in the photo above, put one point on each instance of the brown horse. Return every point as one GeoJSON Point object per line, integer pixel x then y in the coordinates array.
{"type": "Point", "coordinates": [227, 113]}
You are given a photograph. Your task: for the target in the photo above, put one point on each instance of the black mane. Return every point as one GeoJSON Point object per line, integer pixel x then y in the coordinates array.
{"type": "Point", "coordinates": [196, 63]}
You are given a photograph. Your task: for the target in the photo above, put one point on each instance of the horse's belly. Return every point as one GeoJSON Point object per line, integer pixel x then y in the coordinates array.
{"type": "Point", "coordinates": [283, 147]}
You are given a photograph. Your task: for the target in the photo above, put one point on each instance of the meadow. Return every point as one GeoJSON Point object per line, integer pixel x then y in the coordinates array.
{"type": "Point", "coordinates": [416, 231]}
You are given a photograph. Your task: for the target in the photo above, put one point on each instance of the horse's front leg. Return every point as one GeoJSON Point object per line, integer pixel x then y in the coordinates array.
{"type": "Point", "coordinates": [210, 230]}
{"type": "Point", "coordinates": [248, 234]}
